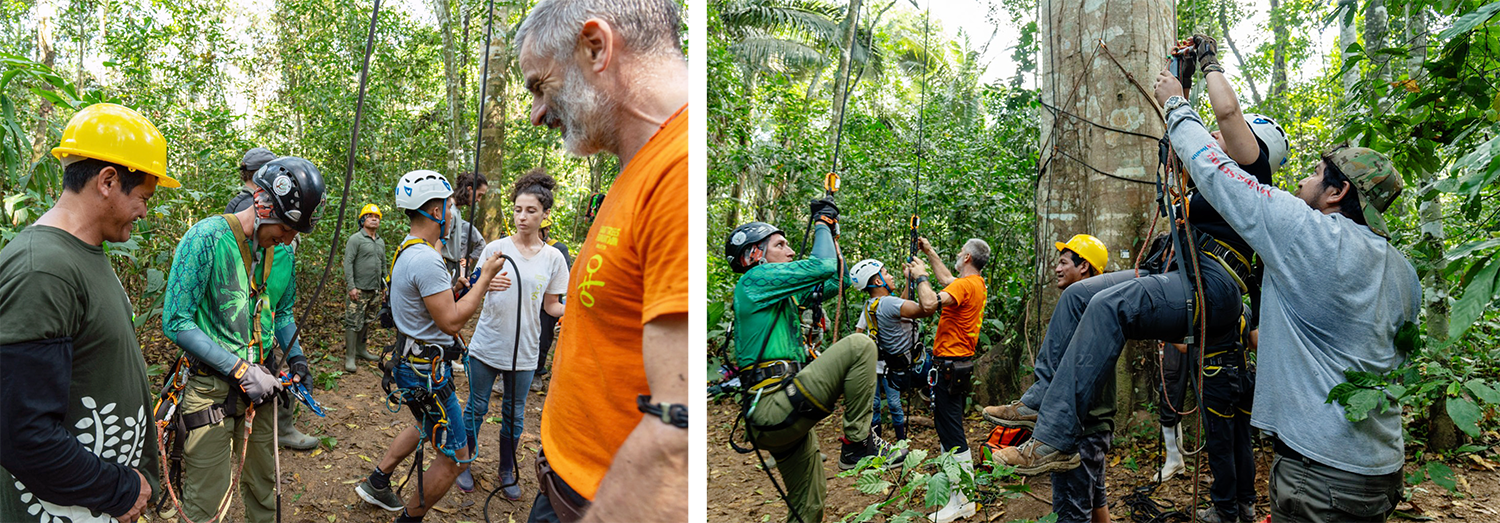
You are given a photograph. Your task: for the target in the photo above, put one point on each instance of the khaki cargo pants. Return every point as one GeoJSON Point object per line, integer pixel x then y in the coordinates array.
{"type": "Point", "coordinates": [359, 314]}
{"type": "Point", "coordinates": [207, 462]}
{"type": "Point", "coordinates": [846, 369]}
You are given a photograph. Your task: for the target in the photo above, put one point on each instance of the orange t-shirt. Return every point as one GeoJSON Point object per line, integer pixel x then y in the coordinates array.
{"type": "Point", "coordinates": [631, 269]}
{"type": "Point", "coordinates": [958, 326]}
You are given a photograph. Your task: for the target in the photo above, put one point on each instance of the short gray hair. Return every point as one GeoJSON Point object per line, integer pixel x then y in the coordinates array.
{"type": "Point", "coordinates": [979, 252]}
{"type": "Point", "coordinates": [647, 26]}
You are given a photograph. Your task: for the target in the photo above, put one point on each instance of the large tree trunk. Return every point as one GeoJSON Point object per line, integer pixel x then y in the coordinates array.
{"type": "Point", "coordinates": [46, 55]}
{"type": "Point", "coordinates": [1376, 21]}
{"type": "Point", "coordinates": [840, 77]}
{"type": "Point", "coordinates": [1071, 198]}
{"type": "Point", "coordinates": [1348, 36]}
{"type": "Point", "coordinates": [444, 14]}
{"type": "Point", "coordinates": [493, 111]}
{"type": "Point", "coordinates": [1278, 49]}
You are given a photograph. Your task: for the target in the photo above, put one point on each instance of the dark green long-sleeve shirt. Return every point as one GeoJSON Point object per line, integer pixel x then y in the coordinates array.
{"type": "Point", "coordinates": [364, 261]}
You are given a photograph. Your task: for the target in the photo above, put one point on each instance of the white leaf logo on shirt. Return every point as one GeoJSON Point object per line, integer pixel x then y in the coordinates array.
{"type": "Point", "coordinates": [111, 438]}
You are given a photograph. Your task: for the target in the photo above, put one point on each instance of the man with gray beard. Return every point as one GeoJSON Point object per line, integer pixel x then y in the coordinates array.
{"type": "Point", "coordinates": [610, 74]}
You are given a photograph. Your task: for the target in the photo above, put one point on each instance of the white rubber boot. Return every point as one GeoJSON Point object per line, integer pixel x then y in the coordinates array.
{"type": "Point", "coordinates": [1174, 464]}
{"type": "Point", "coordinates": [959, 506]}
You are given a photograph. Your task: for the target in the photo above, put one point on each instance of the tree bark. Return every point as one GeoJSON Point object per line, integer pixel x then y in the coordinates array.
{"type": "Point", "coordinates": [1376, 26]}
{"type": "Point", "coordinates": [444, 13]}
{"type": "Point", "coordinates": [840, 78]}
{"type": "Point", "coordinates": [494, 112]}
{"type": "Point", "coordinates": [1278, 49]}
{"type": "Point", "coordinates": [1348, 36]}
{"type": "Point", "coordinates": [46, 55]}
{"type": "Point", "coordinates": [1071, 198]}
{"type": "Point", "coordinates": [1249, 79]}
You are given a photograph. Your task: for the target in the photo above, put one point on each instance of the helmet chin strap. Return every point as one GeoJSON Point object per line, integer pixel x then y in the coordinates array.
{"type": "Point", "coordinates": [442, 224]}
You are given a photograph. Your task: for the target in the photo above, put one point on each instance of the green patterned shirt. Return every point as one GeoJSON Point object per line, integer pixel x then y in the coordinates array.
{"type": "Point", "coordinates": [209, 290]}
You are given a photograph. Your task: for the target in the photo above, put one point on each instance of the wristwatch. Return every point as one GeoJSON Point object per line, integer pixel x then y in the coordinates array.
{"type": "Point", "coordinates": [919, 280]}
{"type": "Point", "coordinates": [1173, 103]}
{"type": "Point", "coordinates": [670, 413]}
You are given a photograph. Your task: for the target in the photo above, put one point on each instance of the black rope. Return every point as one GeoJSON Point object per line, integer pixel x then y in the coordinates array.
{"type": "Point", "coordinates": [1097, 171]}
{"type": "Point", "coordinates": [484, 81]}
{"type": "Point", "coordinates": [338, 226]}
{"type": "Point", "coordinates": [1059, 110]}
{"type": "Point", "coordinates": [510, 390]}
{"type": "Point", "coordinates": [838, 140]}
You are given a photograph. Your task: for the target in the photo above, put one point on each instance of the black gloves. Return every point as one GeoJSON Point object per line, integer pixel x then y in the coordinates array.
{"type": "Point", "coordinates": [1208, 54]}
{"type": "Point", "coordinates": [298, 367]}
{"type": "Point", "coordinates": [826, 212]}
{"type": "Point", "coordinates": [255, 381]}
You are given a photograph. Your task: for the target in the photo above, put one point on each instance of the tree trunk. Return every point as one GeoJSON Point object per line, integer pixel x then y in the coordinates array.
{"type": "Point", "coordinates": [1348, 36]}
{"type": "Point", "coordinates": [444, 13]}
{"type": "Point", "coordinates": [1249, 79]}
{"type": "Point", "coordinates": [46, 55]}
{"type": "Point", "coordinates": [840, 78]}
{"type": "Point", "coordinates": [1278, 49]}
{"type": "Point", "coordinates": [1376, 26]}
{"type": "Point", "coordinates": [1071, 198]}
{"type": "Point", "coordinates": [493, 111]}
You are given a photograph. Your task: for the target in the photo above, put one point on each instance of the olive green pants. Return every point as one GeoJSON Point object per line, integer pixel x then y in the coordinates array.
{"type": "Point", "coordinates": [846, 369]}
{"type": "Point", "coordinates": [360, 313]}
{"type": "Point", "coordinates": [208, 463]}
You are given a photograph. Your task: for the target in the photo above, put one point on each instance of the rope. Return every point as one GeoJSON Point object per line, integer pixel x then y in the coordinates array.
{"type": "Point", "coordinates": [161, 447]}
{"type": "Point", "coordinates": [484, 81]}
{"type": "Point", "coordinates": [1109, 175]}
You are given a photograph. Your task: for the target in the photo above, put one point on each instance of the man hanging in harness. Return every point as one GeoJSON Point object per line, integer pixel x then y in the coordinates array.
{"type": "Point", "coordinates": [228, 299]}
{"type": "Point", "coordinates": [1198, 295]}
{"type": "Point", "coordinates": [420, 376]}
{"type": "Point", "coordinates": [891, 322]}
{"type": "Point", "coordinates": [787, 395]}
{"type": "Point", "coordinates": [1337, 297]}
{"type": "Point", "coordinates": [73, 371]}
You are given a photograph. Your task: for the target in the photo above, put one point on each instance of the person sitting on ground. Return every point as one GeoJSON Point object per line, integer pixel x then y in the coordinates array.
{"type": "Point", "coordinates": [791, 394]}
{"type": "Point", "coordinates": [1317, 323]}
{"type": "Point", "coordinates": [506, 346]}
{"type": "Point", "coordinates": [69, 348]}
{"type": "Point", "coordinates": [962, 304]}
{"type": "Point", "coordinates": [364, 272]}
{"type": "Point", "coordinates": [427, 320]}
{"type": "Point", "coordinates": [1093, 321]}
{"type": "Point", "coordinates": [228, 298]}
{"type": "Point", "coordinates": [890, 320]}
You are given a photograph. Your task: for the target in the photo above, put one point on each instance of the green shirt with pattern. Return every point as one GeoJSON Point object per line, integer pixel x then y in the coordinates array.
{"type": "Point", "coordinates": [208, 290]}
{"type": "Point", "coordinates": [766, 304]}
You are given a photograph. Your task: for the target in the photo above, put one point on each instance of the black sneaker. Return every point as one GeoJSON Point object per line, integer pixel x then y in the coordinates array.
{"type": "Point", "coordinates": [382, 498]}
{"type": "Point", "coordinates": [852, 453]}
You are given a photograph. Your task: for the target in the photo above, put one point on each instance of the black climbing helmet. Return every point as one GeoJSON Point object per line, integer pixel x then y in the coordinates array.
{"type": "Point", "coordinates": [296, 189]}
{"type": "Point", "coordinates": [741, 241]}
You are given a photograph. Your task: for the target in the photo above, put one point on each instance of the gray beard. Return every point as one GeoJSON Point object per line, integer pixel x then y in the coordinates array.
{"type": "Point", "coordinates": [587, 116]}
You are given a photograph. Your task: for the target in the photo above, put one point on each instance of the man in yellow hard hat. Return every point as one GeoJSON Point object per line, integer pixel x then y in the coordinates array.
{"type": "Point", "coordinates": [79, 442]}
{"type": "Point", "coordinates": [364, 271]}
{"type": "Point", "coordinates": [1082, 257]}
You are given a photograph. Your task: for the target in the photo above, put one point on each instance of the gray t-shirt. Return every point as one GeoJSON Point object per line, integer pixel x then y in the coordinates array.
{"type": "Point", "coordinates": [418, 273]}
{"type": "Point", "coordinates": [1334, 296]}
{"type": "Point", "coordinates": [893, 333]}
{"type": "Point", "coordinates": [494, 342]}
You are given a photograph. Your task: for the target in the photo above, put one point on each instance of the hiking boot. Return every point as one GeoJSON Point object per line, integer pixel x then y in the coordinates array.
{"type": "Point", "coordinates": [1247, 512]}
{"type": "Point", "coordinates": [1211, 515]}
{"type": "Point", "coordinates": [1013, 415]}
{"type": "Point", "coordinates": [465, 481]}
{"type": "Point", "coordinates": [900, 432]}
{"type": "Point", "coordinates": [852, 453]}
{"type": "Point", "coordinates": [351, 344]}
{"type": "Point", "coordinates": [382, 498]}
{"type": "Point", "coordinates": [1034, 457]}
{"type": "Point", "coordinates": [958, 506]}
{"type": "Point", "coordinates": [509, 486]}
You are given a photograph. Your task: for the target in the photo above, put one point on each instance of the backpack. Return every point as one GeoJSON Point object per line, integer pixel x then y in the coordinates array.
{"type": "Point", "coordinates": [1000, 438]}
{"type": "Point", "coordinates": [388, 318]}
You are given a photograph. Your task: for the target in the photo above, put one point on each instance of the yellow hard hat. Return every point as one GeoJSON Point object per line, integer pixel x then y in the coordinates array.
{"type": "Point", "coordinates": [546, 222]}
{"type": "Point", "coordinates": [370, 208]}
{"type": "Point", "coordinates": [1090, 248]}
{"type": "Point", "coordinates": [118, 135]}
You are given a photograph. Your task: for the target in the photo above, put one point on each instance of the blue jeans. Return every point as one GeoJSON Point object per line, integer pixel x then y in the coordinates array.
{"type": "Point", "coordinates": [512, 408]}
{"type": "Point", "coordinates": [892, 400]}
{"type": "Point", "coordinates": [452, 436]}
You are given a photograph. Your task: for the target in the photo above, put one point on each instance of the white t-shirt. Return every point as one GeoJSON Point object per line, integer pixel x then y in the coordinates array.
{"type": "Point", "coordinates": [494, 337]}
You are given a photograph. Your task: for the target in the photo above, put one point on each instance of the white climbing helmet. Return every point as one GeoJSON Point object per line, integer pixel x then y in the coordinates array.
{"type": "Point", "coordinates": [865, 271]}
{"type": "Point", "coordinates": [1270, 132]}
{"type": "Point", "coordinates": [419, 187]}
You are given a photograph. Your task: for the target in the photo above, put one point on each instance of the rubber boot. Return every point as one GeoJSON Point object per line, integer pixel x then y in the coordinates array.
{"type": "Point", "coordinates": [1174, 464]}
{"type": "Point", "coordinates": [363, 346]}
{"type": "Point", "coordinates": [510, 487]}
{"type": "Point", "coordinates": [959, 506]}
{"type": "Point", "coordinates": [900, 432]}
{"type": "Point", "coordinates": [289, 436]}
{"type": "Point", "coordinates": [351, 344]}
